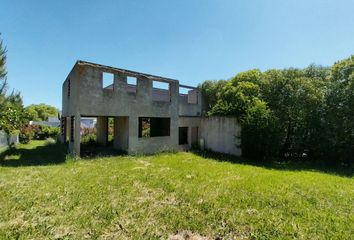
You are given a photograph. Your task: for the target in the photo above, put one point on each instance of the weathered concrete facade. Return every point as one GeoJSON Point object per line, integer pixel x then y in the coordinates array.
{"type": "Point", "coordinates": [84, 95]}
{"type": "Point", "coordinates": [146, 119]}
{"type": "Point", "coordinates": [221, 134]}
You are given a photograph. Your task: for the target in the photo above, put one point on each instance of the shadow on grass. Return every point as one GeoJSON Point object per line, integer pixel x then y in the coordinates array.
{"type": "Point", "coordinates": [344, 171]}
{"type": "Point", "coordinates": [41, 155]}
{"type": "Point", "coordinates": [92, 150]}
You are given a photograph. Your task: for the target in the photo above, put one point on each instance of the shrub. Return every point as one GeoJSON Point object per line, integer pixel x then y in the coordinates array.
{"type": "Point", "coordinates": [50, 132]}
{"type": "Point", "coordinates": [88, 135]}
{"type": "Point", "coordinates": [26, 134]}
{"type": "Point", "coordinates": [44, 132]}
{"type": "Point", "coordinates": [38, 132]}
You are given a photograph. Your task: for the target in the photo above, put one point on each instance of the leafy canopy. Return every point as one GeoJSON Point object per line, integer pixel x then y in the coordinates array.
{"type": "Point", "coordinates": [290, 113]}
{"type": "Point", "coordinates": [41, 112]}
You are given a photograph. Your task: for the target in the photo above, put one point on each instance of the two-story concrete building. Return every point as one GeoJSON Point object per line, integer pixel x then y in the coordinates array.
{"type": "Point", "coordinates": [150, 113]}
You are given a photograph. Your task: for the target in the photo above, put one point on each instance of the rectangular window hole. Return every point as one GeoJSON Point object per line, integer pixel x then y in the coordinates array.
{"type": "Point", "coordinates": [161, 91]}
{"type": "Point", "coordinates": [183, 90]}
{"type": "Point", "coordinates": [189, 94]}
{"type": "Point", "coordinates": [107, 80]}
{"type": "Point", "coordinates": [131, 80]}
{"type": "Point", "coordinates": [154, 127]}
{"type": "Point", "coordinates": [144, 127]}
{"type": "Point", "coordinates": [161, 85]}
{"type": "Point", "coordinates": [131, 84]}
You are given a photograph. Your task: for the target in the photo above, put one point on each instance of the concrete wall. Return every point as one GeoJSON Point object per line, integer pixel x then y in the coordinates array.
{"type": "Point", "coordinates": [121, 133]}
{"type": "Point", "coordinates": [221, 134]}
{"type": "Point", "coordinates": [3, 139]}
{"type": "Point", "coordinates": [94, 100]}
{"type": "Point", "coordinates": [190, 104]}
{"type": "Point", "coordinates": [128, 102]}
{"type": "Point", "coordinates": [88, 98]}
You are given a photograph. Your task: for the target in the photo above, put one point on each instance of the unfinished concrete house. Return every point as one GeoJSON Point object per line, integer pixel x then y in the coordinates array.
{"type": "Point", "coordinates": [148, 113]}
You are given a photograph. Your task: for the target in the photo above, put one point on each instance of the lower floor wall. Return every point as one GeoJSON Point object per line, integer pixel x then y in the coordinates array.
{"type": "Point", "coordinates": [126, 134]}
{"type": "Point", "coordinates": [219, 134]}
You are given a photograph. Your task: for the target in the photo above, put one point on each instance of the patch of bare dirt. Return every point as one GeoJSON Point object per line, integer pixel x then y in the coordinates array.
{"type": "Point", "coordinates": [188, 235]}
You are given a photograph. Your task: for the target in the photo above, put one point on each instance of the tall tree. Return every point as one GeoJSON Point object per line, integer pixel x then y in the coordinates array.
{"type": "Point", "coordinates": [2, 72]}
{"type": "Point", "coordinates": [340, 113]}
{"type": "Point", "coordinates": [41, 112]}
{"type": "Point", "coordinates": [286, 106]}
{"type": "Point", "coordinates": [12, 113]}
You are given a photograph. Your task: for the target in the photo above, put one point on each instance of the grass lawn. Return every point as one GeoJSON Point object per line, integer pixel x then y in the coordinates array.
{"type": "Point", "coordinates": [44, 195]}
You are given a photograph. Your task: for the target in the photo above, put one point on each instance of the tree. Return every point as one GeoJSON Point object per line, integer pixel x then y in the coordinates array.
{"type": "Point", "coordinates": [2, 60]}
{"type": "Point", "coordinates": [2, 76]}
{"type": "Point", "coordinates": [297, 102]}
{"type": "Point", "coordinates": [339, 115]}
{"type": "Point", "coordinates": [286, 106]}
{"type": "Point", "coordinates": [13, 115]}
{"type": "Point", "coordinates": [236, 95]}
{"type": "Point", "coordinates": [210, 91]}
{"type": "Point", "coordinates": [241, 97]}
{"type": "Point", "coordinates": [41, 112]}
{"type": "Point", "coordinates": [259, 125]}
{"type": "Point", "coordinates": [2, 73]}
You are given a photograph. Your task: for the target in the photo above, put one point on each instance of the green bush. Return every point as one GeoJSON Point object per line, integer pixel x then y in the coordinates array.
{"type": "Point", "coordinates": [88, 135]}
{"type": "Point", "coordinates": [49, 132]}
{"type": "Point", "coordinates": [38, 132]}
{"type": "Point", "coordinates": [26, 134]}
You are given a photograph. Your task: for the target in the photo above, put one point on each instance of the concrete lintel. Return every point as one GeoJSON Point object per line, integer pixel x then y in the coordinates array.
{"type": "Point", "coordinates": [125, 72]}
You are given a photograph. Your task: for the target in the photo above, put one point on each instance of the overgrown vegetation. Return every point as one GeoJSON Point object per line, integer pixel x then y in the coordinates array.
{"type": "Point", "coordinates": [41, 112]}
{"type": "Point", "coordinates": [292, 113]}
{"type": "Point", "coordinates": [88, 135]}
{"type": "Point", "coordinates": [38, 132]}
{"type": "Point", "coordinates": [45, 195]}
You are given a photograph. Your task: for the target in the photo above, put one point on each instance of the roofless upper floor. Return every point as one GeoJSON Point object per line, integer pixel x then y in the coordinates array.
{"type": "Point", "coordinates": [97, 90]}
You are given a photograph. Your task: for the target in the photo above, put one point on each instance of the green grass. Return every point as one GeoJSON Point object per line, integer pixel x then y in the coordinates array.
{"type": "Point", "coordinates": [153, 197]}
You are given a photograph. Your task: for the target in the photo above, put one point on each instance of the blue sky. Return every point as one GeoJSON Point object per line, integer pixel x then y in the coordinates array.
{"type": "Point", "coordinates": [191, 40]}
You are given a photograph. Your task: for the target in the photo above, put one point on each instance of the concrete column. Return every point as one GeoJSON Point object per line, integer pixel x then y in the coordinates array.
{"type": "Point", "coordinates": [174, 88]}
{"type": "Point", "coordinates": [174, 92]}
{"type": "Point", "coordinates": [133, 133]}
{"type": "Point", "coordinates": [120, 82]}
{"type": "Point", "coordinates": [77, 135]}
{"type": "Point", "coordinates": [121, 133]}
{"type": "Point", "coordinates": [68, 129]}
{"type": "Point", "coordinates": [144, 89]}
{"type": "Point", "coordinates": [102, 130]}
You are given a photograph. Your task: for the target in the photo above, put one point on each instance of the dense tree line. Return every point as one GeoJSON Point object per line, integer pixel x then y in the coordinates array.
{"type": "Point", "coordinates": [290, 113]}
